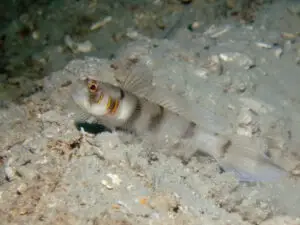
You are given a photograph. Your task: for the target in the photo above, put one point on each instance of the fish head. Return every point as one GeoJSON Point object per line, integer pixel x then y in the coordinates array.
{"type": "Point", "coordinates": [90, 96]}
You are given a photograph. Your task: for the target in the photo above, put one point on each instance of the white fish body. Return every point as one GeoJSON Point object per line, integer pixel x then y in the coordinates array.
{"type": "Point", "coordinates": [163, 120]}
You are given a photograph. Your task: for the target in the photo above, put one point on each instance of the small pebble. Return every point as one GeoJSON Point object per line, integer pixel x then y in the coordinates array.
{"type": "Point", "coordinates": [296, 172]}
{"type": "Point", "coordinates": [10, 173]}
{"type": "Point", "coordinates": [201, 73]}
{"type": "Point", "coordinates": [241, 59]}
{"type": "Point", "coordinates": [278, 53]}
{"type": "Point", "coordinates": [143, 200]}
{"type": "Point", "coordinates": [106, 184]}
{"type": "Point", "coordinates": [264, 45]}
{"type": "Point", "coordinates": [35, 35]}
{"type": "Point", "coordinates": [114, 178]}
{"type": "Point", "coordinates": [195, 25]}
{"type": "Point", "coordinates": [84, 47]}
{"type": "Point", "coordinates": [132, 34]}
{"type": "Point", "coordinates": [22, 188]}
{"type": "Point", "coordinates": [215, 32]}
{"type": "Point", "coordinates": [242, 87]}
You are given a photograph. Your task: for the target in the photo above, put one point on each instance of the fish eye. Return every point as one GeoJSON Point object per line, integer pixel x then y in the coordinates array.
{"type": "Point", "coordinates": [92, 85]}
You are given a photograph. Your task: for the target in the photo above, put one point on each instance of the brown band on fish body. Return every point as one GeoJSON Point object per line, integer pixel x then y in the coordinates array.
{"type": "Point", "coordinates": [190, 131]}
{"type": "Point", "coordinates": [225, 148]}
{"type": "Point", "coordinates": [135, 115]}
{"type": "Point", "coordinates": [122, 94]}
{"type": "Point", "coordinates": [156, 119]}
{"type": "Point", "coordinates": [114, 66]}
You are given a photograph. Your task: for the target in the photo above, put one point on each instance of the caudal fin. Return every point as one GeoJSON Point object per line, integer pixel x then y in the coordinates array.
{"type": "Point", "coordinates": [241, 155]}
{"type": "Point", "coordinates": [244, 157]}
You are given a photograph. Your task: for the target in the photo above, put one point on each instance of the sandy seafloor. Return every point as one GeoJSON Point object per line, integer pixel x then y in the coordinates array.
{"type": "Point", "coordinates": [51, 173]}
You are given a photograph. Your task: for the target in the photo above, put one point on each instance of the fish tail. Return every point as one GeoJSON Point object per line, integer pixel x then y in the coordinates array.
{"type": "Point", "coordinates": [246, 160]}
{"type": "Point", "coordinates": [242, 156]}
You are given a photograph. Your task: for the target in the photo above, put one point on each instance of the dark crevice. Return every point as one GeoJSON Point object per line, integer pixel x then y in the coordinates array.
{"type": "Point", "coordinates": [92, 128]}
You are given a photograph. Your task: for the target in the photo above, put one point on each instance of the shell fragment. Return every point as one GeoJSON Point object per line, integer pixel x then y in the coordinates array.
{"type": "Point", "coordinates": [101, 23]}
{"type": "Point", "coordinates": [241, 59]}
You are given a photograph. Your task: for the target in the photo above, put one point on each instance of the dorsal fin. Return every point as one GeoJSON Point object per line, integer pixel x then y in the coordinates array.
{"type": "Point", "coordinates": [133, 76]}
{"type": "Point", "coordinates": [169, 100]}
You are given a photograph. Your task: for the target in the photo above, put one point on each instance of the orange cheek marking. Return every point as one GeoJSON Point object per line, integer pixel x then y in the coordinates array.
{"type": "Point", "coordinates": [116, 106]}
{"type": "Point", "coordinates": [112, 106]}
